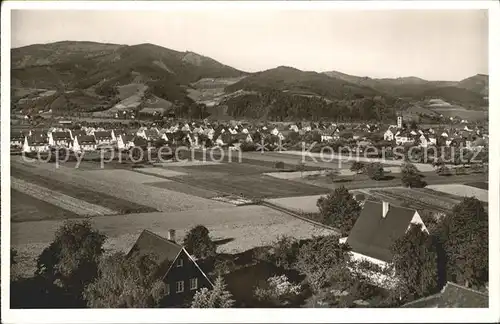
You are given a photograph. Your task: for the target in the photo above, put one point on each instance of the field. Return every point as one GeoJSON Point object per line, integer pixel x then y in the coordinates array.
{"type": "Point", "coordinates": [59, 199]}
{"type": "Point", "coordinates": [234, 229]}
{"type": "Point", "coordinates": [480, 185]}
{"type": "Point", "coordinates": [306, 204]}
{"type": "Point", "coordinates": [185, 188]}
{"type": "Point", "coordinates": [161, 172]}
{"type": "Point", "coordinates": [462, 191]}
{"type": "Point", "coordinates": [106, 183]}
{"type": "Point", "coordinates": [131, 89]}
{"type": "Point", "coordinates": [74, 190]}
{"type": "Point", "coordinates": [132, 176]}
{"type": "Point", "coordinates": [254, 186]}
{"type": "Point", "coordinates": [463, 113]}
{"type": "Point", "coordinates": [416, 198]}
{"type": "Point", "coordinates": [27, 208]}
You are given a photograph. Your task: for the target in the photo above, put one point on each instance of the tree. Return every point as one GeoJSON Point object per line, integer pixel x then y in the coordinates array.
{"type": "Point", "coordinates": [218, 297]}
{"type": "Point", "coordinates": [301, 167]}
{"type": "Point", "coordinates": [284, 252]}
{"type": "Point", "coordinates": [375, 171]}
{"type": "Point", "coordinates": [71, 260]}
{"type": "Point", "coordinates": [280, 165]}
{"type": "Point", "coordinates": [320, 259]}
{"type": "Point", "coordinates": [357, 166]}
{"type": "Point", "coordinates": [278, 292]}
{"type": "Point", "coordinates": [126, 282]}
{"type": "Point", "coordinates": [410, 176]}
{"type": "Point", "coordinates": [339, 209]}
{"type": "Point", "coordinates": [415, 263]}
{"type": "Point", "coordinates": [443, 170]}
{"type": "Point", "coordinates": [198, 243]}
{"type": "Point", "coordinates": [13, 255]}
{"type": "Point", "coordinates": [465, 238]}
{"type": "Point", "coordinates": [332, 175]}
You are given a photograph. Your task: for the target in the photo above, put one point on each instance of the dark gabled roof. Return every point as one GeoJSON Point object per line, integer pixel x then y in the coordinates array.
{"type": "Point", "coordinates": [118, 132]}
{"type": "Point", "coordinates": [102, 134]}
{"type": "Point", "coordinates": [39, 132]}
{"type": "Point", "coordinates": [140, 141]}
{"type": "Point", "coordinates": [37, 140]}
{"type": "Point", "coordinates": [163, 250]}
{"type": "Point", "coordinates": [61, 135]}
{"type": "Point", "coordinates": [452, 296]}
{"type": "Point", "coordinates": [78, 133]}
{"type": "Point", "coordinates": [128, 138]}
{"type": "Point", "coordinates": [16, 136]}
{"type": "Point", "coordinates": [374, 235]}
{"type": "Point", "coordinates": [152, 133]}
{"type": "Point", "coordinates": [86, 139]}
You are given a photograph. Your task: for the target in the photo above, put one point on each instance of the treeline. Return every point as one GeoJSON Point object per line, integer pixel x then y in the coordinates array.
{"type": "Point", "coordinates": [279, 106]}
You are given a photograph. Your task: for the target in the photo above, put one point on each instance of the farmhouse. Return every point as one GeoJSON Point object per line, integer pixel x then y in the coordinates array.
{"type": "Point", "coordinates": [84, 143]}
{"type": "Point", "coordinates": [125, 142]}
{"type": "Point", "coordinates": [427, 140]}
{"type": "Point", "coordinates": [17, 139]}
{"type": "Point", "coordinates": [390, 133]}
{"type": "Point", "coordinates": [177, 268]}
{"type": "Point", "coordinates": [379, 225]}
{"type": "Point", "coordinates": [61, 139]}
{"type": "Point", "coordinates": [35, 143]}
{"type": "Point", "coordinates": [452, 296]}
{"type": "Point", "coordinates": [103, 137]}
{"type": "Point", "coordinates": [75, 133]}
{"type": "Point", "coordinates": [403, 138]}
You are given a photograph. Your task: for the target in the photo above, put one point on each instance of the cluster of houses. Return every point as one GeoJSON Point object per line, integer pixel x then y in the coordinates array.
{"type": "Point", "coordinates": [203, 134]}
{"type": "Point", "coordinates": [469, 137]}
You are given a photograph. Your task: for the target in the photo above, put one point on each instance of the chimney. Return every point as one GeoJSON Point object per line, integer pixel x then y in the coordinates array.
{"type": "Point", "coordinates": [385, 208]}
{"type": "Point", "coordinates": [171, 235]}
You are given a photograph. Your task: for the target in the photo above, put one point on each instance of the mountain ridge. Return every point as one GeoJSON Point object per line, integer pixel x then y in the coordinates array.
{"type": "Point", "coordinates": [83, 73]}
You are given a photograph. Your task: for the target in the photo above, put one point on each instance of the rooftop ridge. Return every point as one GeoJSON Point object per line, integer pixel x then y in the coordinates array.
{"type": "Point", "coordinates": [380, 203]}
{"type": "Point", "coordinates": [466, 288]}
{"type": "Point", "coordinates": [162, 238]}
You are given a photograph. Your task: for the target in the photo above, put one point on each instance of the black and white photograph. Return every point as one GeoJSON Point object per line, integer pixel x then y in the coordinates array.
{"type": "Point", "coordinates": [192, 155]}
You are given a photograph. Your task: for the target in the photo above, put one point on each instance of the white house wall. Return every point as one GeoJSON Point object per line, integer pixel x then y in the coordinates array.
{"type": "Point", "coordinates": [418, 220]}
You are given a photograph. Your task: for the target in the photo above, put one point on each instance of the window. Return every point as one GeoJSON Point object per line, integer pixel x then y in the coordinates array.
{"type": "Point", "coordinates": [180, 287]}
{"type": "Point", "coordinates": [179, 263]}
{"type": "Point", "coordinates": [167, 288]}
{"type": "Point", "coordinates": [193, 283]}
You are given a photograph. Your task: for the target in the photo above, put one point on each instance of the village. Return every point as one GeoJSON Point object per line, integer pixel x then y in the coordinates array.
{"type": "Point", "coordinates": [199, 134]}
{"type": "Point", "coordinates": [273, 179]}
{"type": "Point", "coordinates": [249, 159]}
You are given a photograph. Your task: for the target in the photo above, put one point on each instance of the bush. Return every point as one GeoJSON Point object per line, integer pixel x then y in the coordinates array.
{"type": "Point", "coordinates": [279, 165]}
{"type": "Point", "coordinates": [248, 147]}
{"type": "Point", "coordinates": [375, 171]}
{"type": "Point", "coordinates": [278, 292]}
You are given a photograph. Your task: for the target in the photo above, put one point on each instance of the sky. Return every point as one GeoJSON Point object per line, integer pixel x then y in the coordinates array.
{"type": "Point", "coordinates": [431, 44]}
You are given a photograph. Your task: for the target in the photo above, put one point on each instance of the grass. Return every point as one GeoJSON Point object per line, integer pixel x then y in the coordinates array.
{"type": "Point", "coordinates": [306, 204]}
{"type": "Point", "coordinates": [462, 191]}
{"type": "Point", "coordinates": [254, 186]}
{"type": "Point", "coordinates": [480, 185]}
{"type": "Point", "coordinates": [185, 188]}
{"type": "Point", "coordinates": [416, 199]}
{"type": "Point", "coordinates": [120, 205]}
{"type": "Point", "coordinates": [27, 208]}
{"type": "Point", "coordinates": [266, 160]}
{"type": "Point", "coordinates": [121, 189]}
{"type": "Point", "coordinates": [59, 199]}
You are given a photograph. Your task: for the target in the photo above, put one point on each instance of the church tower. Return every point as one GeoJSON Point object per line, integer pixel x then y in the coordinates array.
{"type": "Point", "coordinates": [400, 120]}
